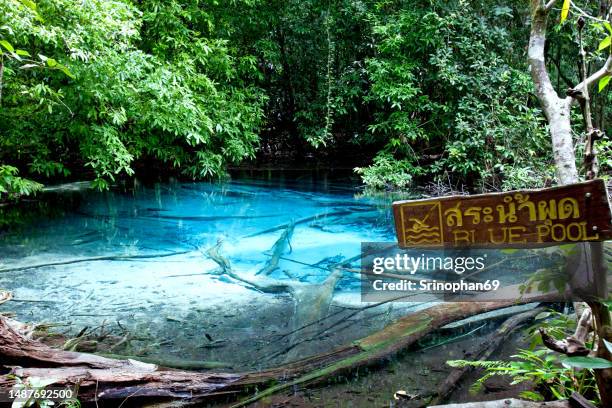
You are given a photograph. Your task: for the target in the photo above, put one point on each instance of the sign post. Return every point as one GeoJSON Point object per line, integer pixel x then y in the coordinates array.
{"type": "Point", "coordinates": [528, 218]}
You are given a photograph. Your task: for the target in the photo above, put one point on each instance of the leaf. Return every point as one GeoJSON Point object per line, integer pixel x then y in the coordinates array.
{"type": "Point", "coordinates": [66, 71]}
{"type": "Point", "coordinates": [605, 43]}
{"type": "Point", "coordinates": [608, 26]}
{"type": "Point", "coordinates": [531, 395]}
{"type": "Point", "coordinates": [567, 248]}
{"type": "Point", "coordinates": [29, 4]}
{"type": "Point", "coordinates": [7, 45]}
{"type": "Point", "coordinates": [51, 62]}
{"type": "Point", "coordinates": [565, 10]}
{"type": "Point", "coordinates": [587, 362]}
{"type": "Point", "coordinates": [18, 403]}
{"type": "Point", "coordinates": [23, 53]}
{"type": "Point", "coordinates": [27, 66]}
{"type": "Point", "coordinates": [608, 345]}
{"type": "Point", "coordinates": [603, 82]}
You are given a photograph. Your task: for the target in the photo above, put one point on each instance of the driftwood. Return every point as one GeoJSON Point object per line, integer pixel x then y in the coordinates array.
{"type": "Point", "coordinates": [118, 379]}
{"type": "Point", "coordinates": [578, 401]}
{"type": "Point", "coordinates": [483, 351]}
{"type": "Point", "coordinates": [575, 401]}
{"type": "Point", "coordinates": [172, 362]}
{"type": "Point", "coordinates": [312, 301]}
{"type": "Point", "coordinates": [509, 403]}
{"type": "Point", "coordinates": [303, 221]}
{"type": "Point", "coordinates": [572, 345]}
{"type": "Point", "coordinates": [277, 250]}
{"type": "Point", "coordinates": [95, 259]}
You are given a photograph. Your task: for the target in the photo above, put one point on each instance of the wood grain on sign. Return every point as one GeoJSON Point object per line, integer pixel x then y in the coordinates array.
{"type": "Point", "coordinates": [565, 214]}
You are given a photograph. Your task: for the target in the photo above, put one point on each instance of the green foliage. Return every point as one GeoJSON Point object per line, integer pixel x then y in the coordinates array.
{"type": "Point", "coordinates": [557, 325]}
{"type": "Point", "coordinates": [387, 173]}
{"type": "Point", "coordinates": [592, 363]}
{"type": "Point", "coordinates": [451, 79]}
{"type": "Point", "coordinates": [12, 186]}
{"type": "Point", "coordinates": [555, 376]}
{"type": "Point", "coordinates": [551, 278]}
{"type": "Point", "coordinates": [540, 367]}
{"type": "Point", "coordinates": [149, 83]}
{"type": "Point", "coordinates": [421, 90]}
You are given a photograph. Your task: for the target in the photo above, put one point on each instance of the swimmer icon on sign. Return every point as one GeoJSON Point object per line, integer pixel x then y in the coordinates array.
{"type": "Point", "coordinates": [422, 224]}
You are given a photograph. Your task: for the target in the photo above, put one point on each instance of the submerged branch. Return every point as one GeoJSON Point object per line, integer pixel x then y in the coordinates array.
{"type": "Point", "coordinates": [95, 259]}
{"type": "Point", "coordinates": [277, 250]}
{"type": "Point", "coordinates": [484, 350]}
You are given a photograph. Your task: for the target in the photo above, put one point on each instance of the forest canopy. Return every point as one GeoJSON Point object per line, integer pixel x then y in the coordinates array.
{"type": "Point", "coordinates": [405, 91]}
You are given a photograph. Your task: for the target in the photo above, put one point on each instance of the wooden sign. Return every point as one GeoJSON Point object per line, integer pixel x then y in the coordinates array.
{"type": "Point", "coordinates": [565, 214]}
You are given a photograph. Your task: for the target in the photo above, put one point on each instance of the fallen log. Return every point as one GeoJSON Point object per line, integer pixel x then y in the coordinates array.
{"type": "Point", "coordinates": [509, 403]}
{"type": "Point", "coordinates": [172, 362]}
{"type": "Point", "coordinates": [302, 221]}
{"type": "Point", "coordinates": [483, 351]}
{"type": "Point", "coordinates": [103, 378]}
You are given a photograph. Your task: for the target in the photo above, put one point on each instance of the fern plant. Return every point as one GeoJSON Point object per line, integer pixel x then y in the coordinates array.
{"type": "Point", "coordinates": [541, 367]}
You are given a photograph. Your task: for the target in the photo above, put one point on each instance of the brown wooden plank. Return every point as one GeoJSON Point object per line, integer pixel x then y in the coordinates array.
{"type": "Point", "coordinates": [565, 214]}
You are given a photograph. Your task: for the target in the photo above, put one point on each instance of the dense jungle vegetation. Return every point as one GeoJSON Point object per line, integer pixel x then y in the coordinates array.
{"type": "Point", "coordinates": [405, 92]}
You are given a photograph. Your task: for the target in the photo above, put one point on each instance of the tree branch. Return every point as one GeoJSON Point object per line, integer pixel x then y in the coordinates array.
{"type": "Point", "coordinates": [573, 345]}
{"type": "Point", "coordinates": [550, 5]}
{"type": "Point", "coordinates": [604, 71]}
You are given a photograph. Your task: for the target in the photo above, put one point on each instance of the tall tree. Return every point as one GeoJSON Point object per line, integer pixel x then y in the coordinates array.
{"type": "Point", "coordinates": [588, 258]}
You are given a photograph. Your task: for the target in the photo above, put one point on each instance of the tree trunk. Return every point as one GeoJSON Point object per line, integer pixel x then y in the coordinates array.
{"type": "Point", "coordinates": [1, 77]}
{"type": "Point", "coordinates": [589, 257]}
{"type": "Point", "coordinates": [557, 110]}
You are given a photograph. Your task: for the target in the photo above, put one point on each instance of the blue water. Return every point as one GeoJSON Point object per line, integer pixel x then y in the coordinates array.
{"type": "Point", "coordinates": [137, 261]}
{"type": "Point", "coordinates": [136, 265]}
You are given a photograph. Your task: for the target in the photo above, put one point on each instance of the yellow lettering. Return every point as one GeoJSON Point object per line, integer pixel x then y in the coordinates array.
{"type": "Point", "coordinates": [543, 232]}
{"type": "Point", "coordinates": [558, 229]}
{"type": "Point", "coordinates": [464, 236]}
{"type": "Point", "coordinates": [474, 212]}
{"type": "Point", "coordinates": [574, 237]}
{"type": "Point", "coordinates": [492, 237]}
{"type": "Point", "coordinates": [515, 233]}
{"type": "Point", "coordinates": [585, 234]}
